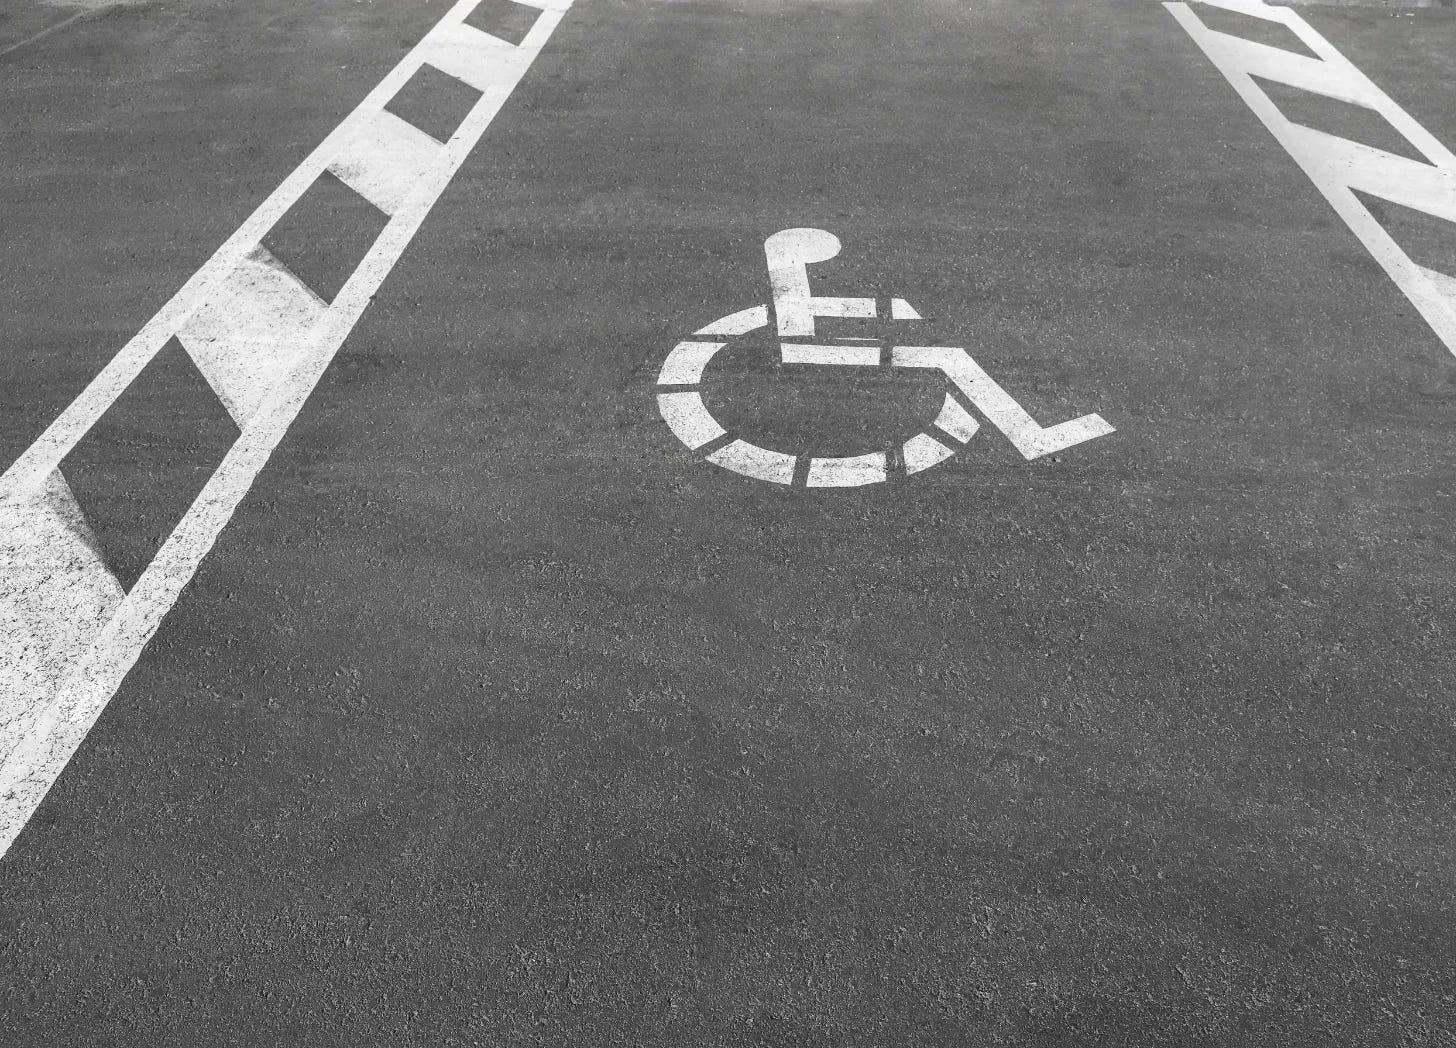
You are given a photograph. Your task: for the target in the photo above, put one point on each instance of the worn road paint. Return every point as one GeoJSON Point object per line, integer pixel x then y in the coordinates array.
{"type": "Point", "coordinates": [1028, 437]}
{"type": "Point", "coordinates": [852, 471]}
{"type": "Point", "coordinates": [262, 339]}
{"type": "Point", "coordinates": [685, 365]}
{"type": "Point", "coordinates": [81, 10]}
{"type": "Point", "coordinates": [48, 31]}
{"type": "Point", "coordinates": [1338, 167]}
{"type": "Point", "coordinates": [753, 461]}
{"type": "Point", "coordinates": [955, 421]}
{"type": "Point", "coordinates": [789, 254]}
{"type": "Point", "coordinates": [922, 451]}
{"type": "Point", "coordinates": [689, 418]}
{"type": "Point", "coordinates": [844, 356]}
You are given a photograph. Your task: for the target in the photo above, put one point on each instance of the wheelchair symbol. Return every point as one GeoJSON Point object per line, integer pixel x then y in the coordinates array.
{"type": "Point", "coordinates": [789, 254]}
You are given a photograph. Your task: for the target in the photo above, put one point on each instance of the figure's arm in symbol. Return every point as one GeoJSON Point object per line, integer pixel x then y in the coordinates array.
{"type": "Point", "coordinates": [1029, 437]}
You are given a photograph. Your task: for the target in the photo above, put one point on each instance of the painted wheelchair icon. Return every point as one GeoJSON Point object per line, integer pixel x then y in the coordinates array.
{"type": "Point", "coordinates": [789, 254]}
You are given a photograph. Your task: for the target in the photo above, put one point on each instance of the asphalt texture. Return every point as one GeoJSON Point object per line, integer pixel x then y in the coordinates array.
{"type": "Point", "coordinates": [497, 717]}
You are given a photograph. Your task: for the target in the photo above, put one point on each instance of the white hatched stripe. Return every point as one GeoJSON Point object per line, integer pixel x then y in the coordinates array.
{"type": "Point", "coordinates": [58, 594]}
{"type": "Point", "coordinates": [1254, 8]}
{"type": "Point", "coordinates": [483, 61]}
{"type": "Point", "coordinates": [1336, 166]}
{"type": "Point", "coordinates": [246, 336]}
{"type": "Point", "coordinates": [91, 672]}
{"type": "Point", "coordinates": [1287, 67]}
{"type": "Point", "coordinates": [1423, 187]}
{"type": "Point", "coordinates": [384, 158]}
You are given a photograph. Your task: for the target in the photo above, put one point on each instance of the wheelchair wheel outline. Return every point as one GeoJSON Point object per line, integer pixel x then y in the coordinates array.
{"type": "Point", "coordinates": [681, 405]}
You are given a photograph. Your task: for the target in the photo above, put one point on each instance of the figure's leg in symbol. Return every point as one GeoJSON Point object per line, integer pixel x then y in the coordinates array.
{"type": "Point", "coordinates": [1028, 436]}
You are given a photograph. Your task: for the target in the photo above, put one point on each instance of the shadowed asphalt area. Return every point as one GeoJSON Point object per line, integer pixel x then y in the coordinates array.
{"type": "Point", "coordinates": [498, 717]}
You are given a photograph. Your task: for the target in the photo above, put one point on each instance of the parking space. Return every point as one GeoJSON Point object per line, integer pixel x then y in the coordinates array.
{"type": "Point", "coordinates": [501, 711]}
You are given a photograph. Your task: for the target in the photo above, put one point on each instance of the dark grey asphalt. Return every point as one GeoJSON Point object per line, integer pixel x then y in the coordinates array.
{"type": "Point", "coordinates": [498, 718]}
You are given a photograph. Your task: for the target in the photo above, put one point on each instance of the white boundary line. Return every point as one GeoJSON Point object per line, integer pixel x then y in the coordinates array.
{"type": "Point", "coordinates": [1336, 166]}
{"type": "Point", "coordinates": [44, 738]}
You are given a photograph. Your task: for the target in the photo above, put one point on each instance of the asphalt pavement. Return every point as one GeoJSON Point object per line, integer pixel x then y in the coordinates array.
{"type": "Point", "coordinates": [496, 715]}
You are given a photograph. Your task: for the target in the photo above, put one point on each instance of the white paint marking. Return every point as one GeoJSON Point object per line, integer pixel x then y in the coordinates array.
{"type": "Point", "coordinates": [955, 421]}
{"type": "Point", "coordinates": [923, 451]}
{"type": "Point", "coordinates": [1296, 70]}
{"type": "Point", "coordinates": [852, 472]}
{"type": "Point", "coordinates": [246, 336]}
{"type": "Point", "coordinates": [740, 323]}
{"type": "Point", "coordinates": [831, 306]}
{"type": "Point", "coordinates": [1028, 437]}
{"type": "Point", "coordinates": [1245, 7]}
{"type": "Point", "coordinates": [58, 593]}
{"type": "Point", "coordinates": [48, 31]}
{"type": "Point", "coordinates": [684, 365]}
{"type": "Point", "coordinates": [483, 61]}
{"type": "Point", "coordinates": [1398, 179]}
{"type": "Point", "coordinates": [384, 159]}
{"type": "Point", "coordinates": [753, 461]}
{"type": "Point", "coordinates": [689, 418]}
{"type": "Point", "coordinates": [855, 356]}
{"type": "Point", "coordinates": [53, 598]}
{"type": "Point", "coordinates": [790, 252]}
{"type": "Point", "coordinates": [1336, 166]}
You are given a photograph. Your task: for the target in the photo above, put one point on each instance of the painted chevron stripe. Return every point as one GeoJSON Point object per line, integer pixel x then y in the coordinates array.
{"type": "Point", "coordinates": [69, 630]}
{"type": "Point", "coordinates": [1338, 167]}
